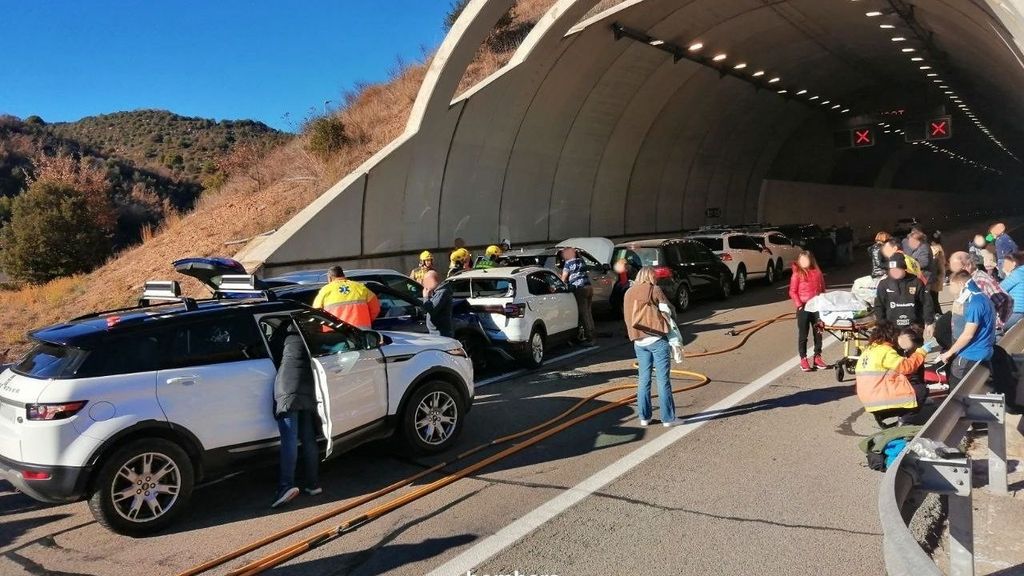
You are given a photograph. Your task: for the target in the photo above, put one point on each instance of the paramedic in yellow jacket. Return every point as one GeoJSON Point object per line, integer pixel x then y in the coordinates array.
{"type": "Point", "coordinates": [347, 300]}
{"type": "Point", "coordinates": [883, 383]}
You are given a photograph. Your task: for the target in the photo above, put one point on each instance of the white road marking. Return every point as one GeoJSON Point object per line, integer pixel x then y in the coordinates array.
{"type": "Point", "coordinates": [516, 373]}
{"type": "Point", "coordinates": [472, 558]}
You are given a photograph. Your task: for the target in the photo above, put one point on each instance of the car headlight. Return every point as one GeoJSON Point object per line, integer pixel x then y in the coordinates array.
{"type": "Point", "coordinates": [460, 351]}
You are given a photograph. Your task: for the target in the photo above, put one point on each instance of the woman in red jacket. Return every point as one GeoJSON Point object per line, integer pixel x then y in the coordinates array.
{"type": "Point", "coordinates": [806, 283]}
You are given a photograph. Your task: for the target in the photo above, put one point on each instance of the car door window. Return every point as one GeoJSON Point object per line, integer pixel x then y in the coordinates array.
{"type": "Point", "coordinates": [122, 355]}
{"type": "Point", "coordinates": [460, 288]}
{"type": "Point", "coordinates": [553, 283]}
{"type": "Point", "coordinates": [698, 253]}
{"type": "Point", "coordinates": [779, 240]}
{"type": "Point", "coordinates": [325, 336]}
{"type": "Point", "coordinates": [403, 285]}
{"type": "Point", "coordinates": [213, 341]}
{"type": "Point", "coordinates": [393, 307]}
{"type": "Point", "coordinates": [536, 285]}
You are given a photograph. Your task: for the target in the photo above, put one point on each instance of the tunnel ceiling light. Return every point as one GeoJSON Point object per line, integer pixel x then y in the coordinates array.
{"type": "Point", "coordinates": [886, 26]}
{"type": "Point", "coordinates": [874, 14]}
{"type": "Point", "coordinates": [908, 50]}
{"type": "Point", "coordinates": [719, 57]}
{"type": "Point", "coordinates": [949, 91]}
{"type": "Point", "coordinates": [801, 93]}
{"type": "Point", "coordinates": [695, 47]}
{"type": "Point", "coordinates": [774, 80]}
{"type": "Point", "coordinates": [898, 39]}
{"type": "Point", "coordinates": [916, 59]}
{"type": "Point", "coordinates": [844, 110]}
{"type": "Point", "coordinates": [783, 91]}
{"type": "Point", "coordinates": [812, 98]}
{"type": "Point", "coordinates": [656, 42]}
{"type": "Point", "coordinates": [837, 106]}
{"type": "Point", "coordinates": [824, 102]}
{"type": "Point", "coordinates": [925, 67]}
{"type": "Point", "coordinates": [740, 66]}
{"type": "Point", "coordinates": [933, 75]}
{"type": "Point", "coordinates": [758, 74]}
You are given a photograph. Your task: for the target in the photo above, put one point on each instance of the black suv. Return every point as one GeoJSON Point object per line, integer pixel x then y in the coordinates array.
{"type": "Point", "coordinates": [812, 238]}
{"type": "Point", "coordinates": [685, 269]}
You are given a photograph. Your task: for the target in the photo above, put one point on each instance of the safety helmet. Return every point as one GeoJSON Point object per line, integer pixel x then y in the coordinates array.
{"type": "Point", "coordinates": [493, 250]}
{"type": "Point", "coordinates": [459, 255]}
{"type": "Point", "coordinates": [426, 255]}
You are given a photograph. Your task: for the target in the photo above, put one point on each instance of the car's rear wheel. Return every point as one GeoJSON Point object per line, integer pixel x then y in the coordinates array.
{"type": "Point", "coordinates": [682, 300]}
{"type": "Point", "coordinates": [143, 487]}
{"type": "Point", "coordinates": [741, 280]}
{"type": "Point", "coordinates": [769, 274]}
{"type": "Point", "coordinates": [433, 418]}
{"type": "Point", "coordinates": [536, 348]}
{"type": "Point", "coordinates": [724, 287]}
{"type": "Point", "coordinates": [780, 268]}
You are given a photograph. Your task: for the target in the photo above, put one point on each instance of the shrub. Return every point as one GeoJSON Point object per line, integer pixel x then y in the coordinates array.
{"type": "Point", "coordinates": [326, 136]}
{"type": "Point", "coordinates": [55, 230]}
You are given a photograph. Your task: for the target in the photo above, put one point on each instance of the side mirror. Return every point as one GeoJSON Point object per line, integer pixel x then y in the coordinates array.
{"type": "Point", "coordinates": [373, 339]}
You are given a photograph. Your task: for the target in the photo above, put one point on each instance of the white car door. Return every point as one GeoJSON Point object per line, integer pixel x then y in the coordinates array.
{"type": "Point", "coordinates": [561, 306]}
{"type": "Point", "coordinates": [351, 374]}
{"type": "Point", "coordinates": [217, 380]}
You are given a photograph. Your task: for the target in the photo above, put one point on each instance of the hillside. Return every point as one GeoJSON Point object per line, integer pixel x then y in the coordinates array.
{"type": "Point", "coordinates": [158, 139]}
{"type": "Point", "coordinates": [221, 221]}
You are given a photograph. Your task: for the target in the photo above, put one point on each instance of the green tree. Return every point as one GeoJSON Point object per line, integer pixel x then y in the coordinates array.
{"type": "Point", "coordinates": [55, 230]}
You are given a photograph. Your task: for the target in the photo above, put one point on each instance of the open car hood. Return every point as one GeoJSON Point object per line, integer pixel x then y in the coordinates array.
{"type": "Point", "coordinates": [208, 270]}
{"type": "Point", "coordinates": [600, 248]}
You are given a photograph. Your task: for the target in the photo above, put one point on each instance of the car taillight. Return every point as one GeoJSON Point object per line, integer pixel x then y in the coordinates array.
{"type": "Point", "coordinates": [726, 257]}
{"type": "Point", "coordinates": [53, 411]}
{"type": "Point", "coordinates": [662, 272]}
{"type": "Point", "coordinates": [515, 310]}
{"type": "Point", "coordinates": [29, 475]}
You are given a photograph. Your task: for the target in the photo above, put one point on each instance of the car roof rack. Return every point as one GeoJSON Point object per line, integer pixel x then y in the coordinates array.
{"type": "Point", "coordinates": [244, 284]}
{"type": "Point", "coordinates": [156, 292]}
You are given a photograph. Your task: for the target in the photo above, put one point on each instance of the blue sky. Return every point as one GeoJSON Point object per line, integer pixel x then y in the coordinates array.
{"type": "Point", "coordinates": [218, 59]}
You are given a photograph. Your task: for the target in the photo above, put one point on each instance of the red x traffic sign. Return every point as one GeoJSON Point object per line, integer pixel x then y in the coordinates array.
{"type": "Point", "coordinates": [940, 129]}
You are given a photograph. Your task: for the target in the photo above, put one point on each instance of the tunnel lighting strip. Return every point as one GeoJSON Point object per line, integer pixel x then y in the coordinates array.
{"type": "Point", "coordinates": [906, 13]}
{"type": "Point", "coordinates": [955, 156]}
{"type": "Point", "coordinates": [692, 52]}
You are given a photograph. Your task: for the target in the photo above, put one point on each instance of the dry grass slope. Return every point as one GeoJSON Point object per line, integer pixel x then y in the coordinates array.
{"type": "Point", "coordinates": [372, 118]}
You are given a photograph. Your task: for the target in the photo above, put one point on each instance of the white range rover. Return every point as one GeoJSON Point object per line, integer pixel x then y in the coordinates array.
{"type": "Point", "coordinates": [130, 409]}
{"type": "Point", "coordinates": [524, 309]}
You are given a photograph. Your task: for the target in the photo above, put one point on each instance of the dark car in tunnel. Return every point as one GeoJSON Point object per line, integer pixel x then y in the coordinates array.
{"type": "Point", "coordinates": [686, 269]}
{"type": "Point", "coordinates": [812, 238]}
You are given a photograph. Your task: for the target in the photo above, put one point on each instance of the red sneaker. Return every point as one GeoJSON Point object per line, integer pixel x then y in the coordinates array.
{"type": "Point", "coordinates": [819, 363]}
{"type": "Point", "coordinates": [805, 365]}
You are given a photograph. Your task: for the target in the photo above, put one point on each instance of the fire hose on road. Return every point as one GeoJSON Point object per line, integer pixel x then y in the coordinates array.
{"type": "Point", "coordinates": [544, 430]}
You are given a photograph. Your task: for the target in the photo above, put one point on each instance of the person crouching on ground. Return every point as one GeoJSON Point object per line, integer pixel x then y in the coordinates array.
{"type": "Point", "coordinates": [295, 412]}
{"type": "Point", "coordinates": [647, 312]}
{"type": "Point", "coordinates": [883, 383]}
{"type": "Point", "coordinates": [806, 282]}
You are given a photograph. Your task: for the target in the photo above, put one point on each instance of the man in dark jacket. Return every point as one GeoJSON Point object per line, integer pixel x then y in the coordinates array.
{"type": "Point", "coordinates": [295, 411]}
{"type": "Point", "coordinates": [437, 301]}
{"type": "Point", "coordinates": [903, 299]}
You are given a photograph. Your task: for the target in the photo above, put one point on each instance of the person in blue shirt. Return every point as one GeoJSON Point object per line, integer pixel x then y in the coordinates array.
{"type": "Point", "coordinates": [974, 327]}
{"type": "Point", "coordinates": [1004, 244]}
{"type": "Point", "coordinates": [1014, 286]}
{"type": "Point", "coordinates": [574, 274]}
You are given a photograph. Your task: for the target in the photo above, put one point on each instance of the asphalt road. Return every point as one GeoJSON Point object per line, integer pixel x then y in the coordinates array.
{"type": "Point", "coordinates": [765, 479]}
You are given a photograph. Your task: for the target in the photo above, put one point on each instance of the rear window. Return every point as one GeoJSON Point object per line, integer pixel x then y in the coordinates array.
{"type": "Point", "coordinates": [47, 361]}
{"type": "Point", "coordinates": [483, 288]}
{"type": "Point", "coordinates": [521, 260]}
{"type": "Point", "coordinates": [713, 244]}
{"type": "Point", "coordinates": [639, 257]}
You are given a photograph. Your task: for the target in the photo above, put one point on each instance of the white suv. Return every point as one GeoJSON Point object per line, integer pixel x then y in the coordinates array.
{"type": "Point", "coordinates": [784, 251]}
{"type": "Point", "coordinates": [132, 408]}
{"type": "Point", "coordinates": [524, 310]}
{"type": "Point", "coordinates": [745, 257]}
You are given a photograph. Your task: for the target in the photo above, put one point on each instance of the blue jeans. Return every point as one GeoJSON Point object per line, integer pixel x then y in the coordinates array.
{"type": "Point", "coordinates": [1012, 320]}
{"type": "Point", "coordinates": [658, 357]}
{"type": "Point", "coordinates": [295, 425]}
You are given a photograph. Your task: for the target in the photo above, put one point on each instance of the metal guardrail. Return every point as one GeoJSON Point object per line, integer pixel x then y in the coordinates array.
{"type": "Point", "coordinates": [923, 469]}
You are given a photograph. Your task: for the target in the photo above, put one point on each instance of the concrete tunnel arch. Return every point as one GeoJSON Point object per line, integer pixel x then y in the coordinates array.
{"type": "Point", "coordinates": [585, 132]}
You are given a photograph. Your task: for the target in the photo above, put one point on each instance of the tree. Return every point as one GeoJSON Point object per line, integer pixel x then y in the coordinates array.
{"type": "Point", "coordinates": [326, 136]}
{"type": "Point", "coordinates": [55, 230]}
{"type": "Point", "coordinates": [246, 159]}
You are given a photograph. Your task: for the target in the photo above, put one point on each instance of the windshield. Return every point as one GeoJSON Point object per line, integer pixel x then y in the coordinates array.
{"type": "Point", "coordinates": [47, 361]}
{"type": "Point", "coordinates": [483, 288]}
{"type": "Point", "coordinates": [638, 257]}
{"type": "Point", "coordinates": [713, 244]}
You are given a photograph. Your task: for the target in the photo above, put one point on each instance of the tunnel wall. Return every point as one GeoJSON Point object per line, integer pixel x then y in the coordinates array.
{"type": "Point", "coordinates": [868, 210]}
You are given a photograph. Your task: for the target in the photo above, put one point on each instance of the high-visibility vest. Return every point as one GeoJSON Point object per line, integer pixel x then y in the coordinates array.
{"type": "Point", "coordinates": [882, 381]}
{"type": "Point", "coordinates": [348, 301]}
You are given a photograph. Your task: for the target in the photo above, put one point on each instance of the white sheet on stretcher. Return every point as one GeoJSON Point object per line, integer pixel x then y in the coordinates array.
{"type": "Point", "coordinates": [866, 288]}
{"type": "Point", "coordinates": [833, 307]}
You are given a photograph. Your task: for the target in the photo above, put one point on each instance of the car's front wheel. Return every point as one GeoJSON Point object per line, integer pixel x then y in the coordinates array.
{"type": "Point", "coordinates": [143, 487]}
{"type": "Point", "coordinates": [683, 298]}
{"type": "Point", "coordinates": [433, 418]}
{"type": "Point", "coordinates": [724, 287]}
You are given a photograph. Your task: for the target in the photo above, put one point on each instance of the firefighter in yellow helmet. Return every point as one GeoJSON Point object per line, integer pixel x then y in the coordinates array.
{"type": "Point", "coordinates": [458, 261]}
{"type": "Point", "coordinates": [426, 265]}
{"type": "Point", "coordinates": [490, 259]}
